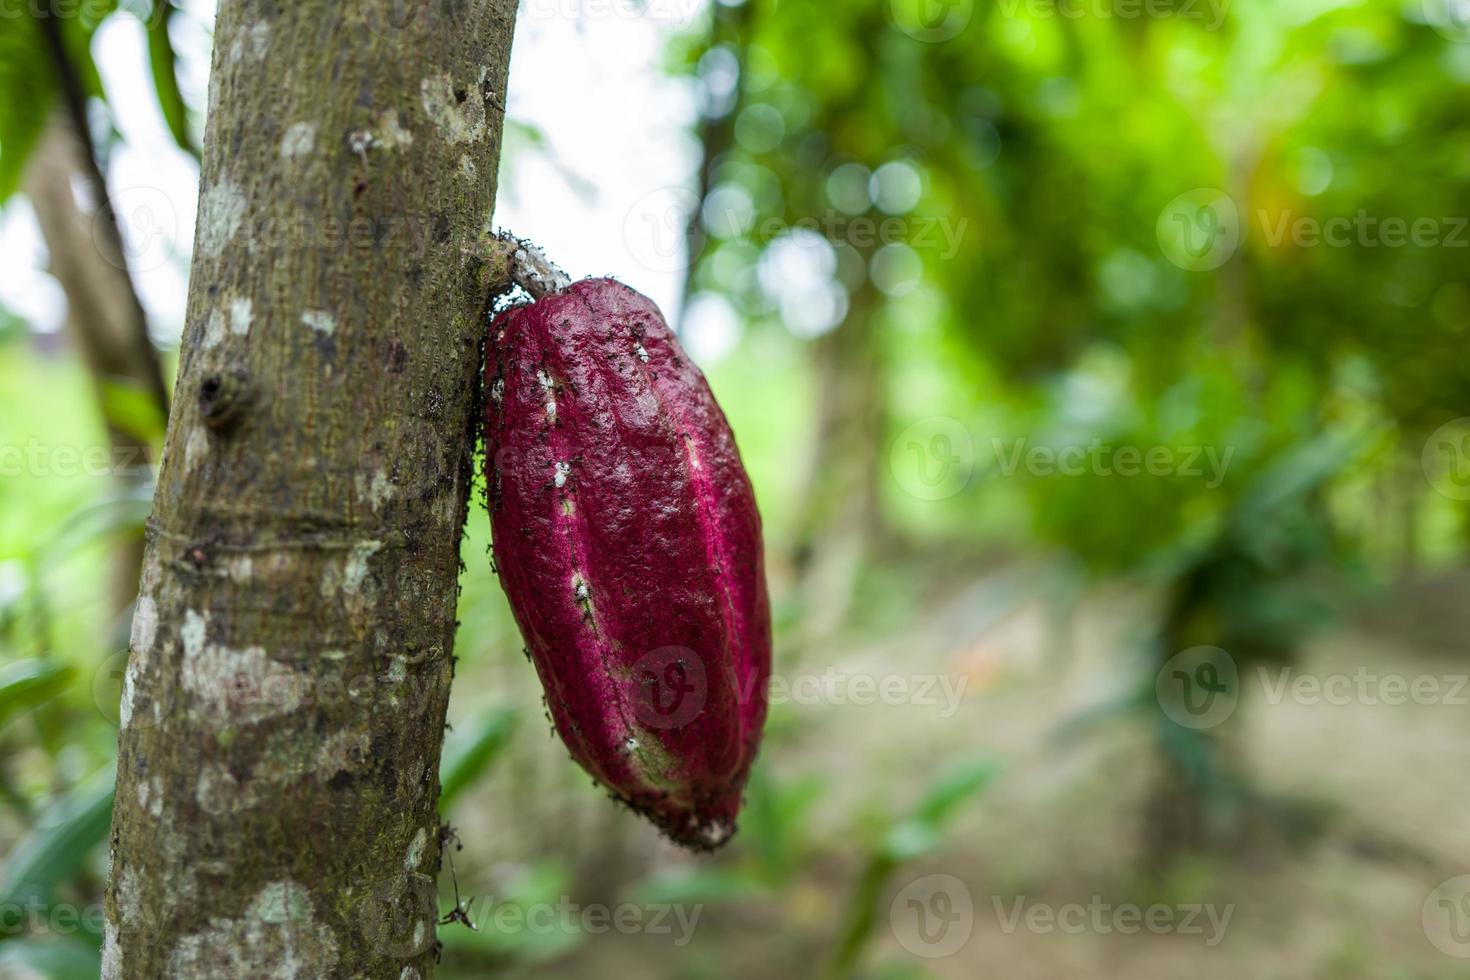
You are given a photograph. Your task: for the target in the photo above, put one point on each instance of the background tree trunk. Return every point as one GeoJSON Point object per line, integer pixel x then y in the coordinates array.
{"type": "Point", "coordinates": [283, 708]}
{"type": "Point", "coordinates": [101, 308]}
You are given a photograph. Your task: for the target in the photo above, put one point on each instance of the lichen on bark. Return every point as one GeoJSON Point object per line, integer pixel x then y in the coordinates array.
{"type": "Point", "coordinates": [291, 655]}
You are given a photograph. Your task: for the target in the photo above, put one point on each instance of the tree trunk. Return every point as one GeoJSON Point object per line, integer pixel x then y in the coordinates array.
{"type": "Point", "coordinates": [840, 519]}
{"type": "Point", "coordinates": [291, 655]}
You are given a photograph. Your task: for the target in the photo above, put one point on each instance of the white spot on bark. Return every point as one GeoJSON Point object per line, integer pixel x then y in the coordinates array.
{"type": "Point", "coordinates": [342, 752]}
{"type": "Point", "coordinates": [145, 625]}
{"type": "Point", "coordinates": [240, 685]}
{"type": "Point", "coordinates": [234, 685]}
{"type": "Point", "coordinates": [378, 490]}
{"type": "Point", "coordinates": [356, 569]}
{"type": "Point", "coordinates": [196, 448]}
{"type": "Point", "coordinates": [129, 899]}
{"type": "Point", "coordinates": [409, 973]}
{"type": "Point", "coordinates": [221, 211]}
{"type": "Point", "coordinates": [240, 568]}
{"type": "Point", "coordinates": [277, 937]}
{"type": "Point", "coordinates": [150, 796]}
{"type": "Point", "coordinates": [397, 670]}
{"type": "Point", "coordinates": [193, 633]}
{"type": "Point", "coordinates": [458, 121]}
{"type": "Point", "coordinates": [348, 578]}
{"type": "Point", "coordinates": [497, 390]}
{"type": "Point", "coordinates": [359, 141]}
{"type": "Point", "coordinates": [319, 320]}
{"type": "Point", "coordinates": [240, 314]}
{"type": "Point", "coordinates": [416, 850]}
{"type": "Point", "coordinates": [283, 901]}
{"type": "Point", "coordinates": [218, 792]}
{"type": "Point", "coordinates": [642, 354]}
{"type": "Point", "coordinates": [260, 38]}
{"type": "Point", "coordinates": [299, 140]}
{"type": "Point", "coordinates": [214, 329]}
{"type": "Point", "coordinates": [111, 952]}
{"type": "Point", "coordinates": [562, 471]}
{"type": "Point", "coordinates": [129, 695]}
{"type": "Point", "coordinates": [394, 135]}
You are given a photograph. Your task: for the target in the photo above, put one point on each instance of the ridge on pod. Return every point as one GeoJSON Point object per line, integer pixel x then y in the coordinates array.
{"type": "Point", "coordinates": [627, 540]}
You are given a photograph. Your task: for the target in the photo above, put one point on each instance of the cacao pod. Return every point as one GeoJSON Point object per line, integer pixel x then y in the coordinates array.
{"type": "Point", "coordinates": [628, 543]}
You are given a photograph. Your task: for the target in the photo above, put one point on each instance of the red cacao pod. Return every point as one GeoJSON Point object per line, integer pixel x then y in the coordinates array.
{"type": "Point", "coordinates": [628, 543]}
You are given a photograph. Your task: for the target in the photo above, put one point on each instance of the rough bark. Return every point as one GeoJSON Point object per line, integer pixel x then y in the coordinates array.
{"type": "Point", "coordinates": [291, 654]}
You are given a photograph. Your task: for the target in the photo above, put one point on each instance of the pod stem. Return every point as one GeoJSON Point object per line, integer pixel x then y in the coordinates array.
{"type": "Point", "coordinates": [516, 262]}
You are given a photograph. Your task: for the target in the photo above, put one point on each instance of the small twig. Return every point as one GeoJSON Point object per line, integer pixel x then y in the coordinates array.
{"type": "Point", "coordinates": [461, 911]}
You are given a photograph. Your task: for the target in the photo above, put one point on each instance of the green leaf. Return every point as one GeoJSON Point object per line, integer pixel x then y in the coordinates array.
{"type": "Point", "coordinates": [953, 787]}
{"type": "Point", "coordinates": [696, 885]}
{"type": "Point", "coordinates": [62, 840]}
{"type": "Point", "coordinates": [28, 79]}
{"type": "Point", "coordinates": [129, 406]}
{"type": "Point", "coordinates": [54, 959]}
{"type": "Point", "coordinates": [28, 683]}
{"type": "Point", "coordinates": [30, 90]}
{"type": "Point", "coordinates": [164, 62]}
{"type": "Point", "coordinates": [470, 753]}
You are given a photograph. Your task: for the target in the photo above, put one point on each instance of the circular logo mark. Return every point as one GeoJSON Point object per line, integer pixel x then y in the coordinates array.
{"type": "Point", "coordinates": [933, 459]}
{"type": "Point", "coordinates": [932, 916]}
{"type": "Point", "coordinates": [149, 226]}
{"type": "Point", "coordinates": [932, 21]}
{"type": "Point", "coordinates": [1445, 917]}
{"type": "Point", "coordinates": [107, 687]}
{"type": "Point", "coordinates": [1446, 459]}
{"type": "Point", "coordinates": [656, 226]}
{"type": "Point", "coordinates": [1199, 230]}
{"type": "Point", "coordinates": [398, 914]}
{"type": "Point", "coordinates": [1449, 18]}
{"type": "Point", "coordinates": [669, 687]}
{"type": "Point", "coordinates": [389, 19]}
{"type": "Point", "coordinates": [1199, 687]}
